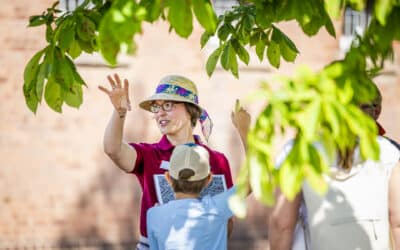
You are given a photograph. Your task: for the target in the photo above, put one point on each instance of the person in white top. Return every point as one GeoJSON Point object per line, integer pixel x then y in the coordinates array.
{"type": "Point", "coordinates": [301, 236]}
{"type": "Point", "coordinates": [361, 209]}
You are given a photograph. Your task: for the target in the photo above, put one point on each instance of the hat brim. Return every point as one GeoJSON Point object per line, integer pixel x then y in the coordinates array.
{"type": "Point", "coordinates": [165, 97]}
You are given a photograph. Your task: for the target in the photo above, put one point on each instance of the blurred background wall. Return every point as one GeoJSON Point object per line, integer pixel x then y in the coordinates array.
{"type": "Point", "coordinates": [57, 187]}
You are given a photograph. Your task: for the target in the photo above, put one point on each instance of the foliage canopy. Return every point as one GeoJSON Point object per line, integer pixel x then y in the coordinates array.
{"type": "Point", "coordinates": [319, 106]}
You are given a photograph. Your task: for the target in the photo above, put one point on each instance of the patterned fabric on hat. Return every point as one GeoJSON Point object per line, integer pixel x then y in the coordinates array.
{"type": "Point", "coordinates": [206, 124]}
{"type": "Point", "coordinates": [177, 90]}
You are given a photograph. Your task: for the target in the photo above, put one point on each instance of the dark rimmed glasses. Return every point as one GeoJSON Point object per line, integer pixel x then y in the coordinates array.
{"type": "Point", "coordinates": [166, 106]}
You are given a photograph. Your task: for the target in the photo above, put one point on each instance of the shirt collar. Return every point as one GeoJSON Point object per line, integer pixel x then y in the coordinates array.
{"type": "Point", "coordinates": [165, 144]}
{"type": "Point", "coordinates": [381, 130]}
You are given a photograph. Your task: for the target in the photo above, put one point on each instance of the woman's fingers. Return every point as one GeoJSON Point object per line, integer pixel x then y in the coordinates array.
{"type": "Point", "coordinates": [119, 96]}
{"type": "Point", "coordinates": [111, 81]}
{"type": "Point", "coordinates": [117, 80]}
{"type": "Point", "coordinates": [104, 90]}
{"type": "Point", "coordinates": [126, 89]}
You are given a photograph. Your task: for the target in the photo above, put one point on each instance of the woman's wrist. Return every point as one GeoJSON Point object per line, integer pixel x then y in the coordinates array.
{"type": "Point", "coordinates": [122, 114]}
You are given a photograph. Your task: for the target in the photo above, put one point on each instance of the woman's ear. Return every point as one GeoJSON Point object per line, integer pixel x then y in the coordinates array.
{"type": "Point", "coordinates": [168, 178]}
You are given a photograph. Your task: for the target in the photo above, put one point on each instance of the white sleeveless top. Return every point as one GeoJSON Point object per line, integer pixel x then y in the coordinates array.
{"type": "Point", "coordinates": [353, 214]}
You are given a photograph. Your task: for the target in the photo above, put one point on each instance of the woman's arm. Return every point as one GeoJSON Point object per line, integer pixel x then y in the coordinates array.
{"type": "Point", "coordinates": [241, 120]}
{"type": "Point", "coordinates": [123, 155]}
{"type": "Point", "coordinates": [394, 205]}
{"type": "Point", "coordinates": [282, 222]}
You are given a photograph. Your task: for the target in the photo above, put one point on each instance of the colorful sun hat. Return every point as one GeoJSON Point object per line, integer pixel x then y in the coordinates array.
{"type": "Point", "coordinates": [180, 89]}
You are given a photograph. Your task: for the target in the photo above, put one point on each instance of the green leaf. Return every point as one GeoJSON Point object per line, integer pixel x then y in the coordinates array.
{"type": "Point", "coordinates": [329, 26]}
{"type": "Point", "coordinates": [109, 46]}
{"type": "Point", "coordinates": [284, 39]}
{"type": "Point", "coordinates": [31, 68]}
{"type": "Point", "coordinates": [287, 47]}
{"type": "Point", "coordinates": [42, 75]}
{"type": "Point", "coordinates": [86, 28]}
{"type": "Point", "coordinates": [248, 22]}
{"type": "Point", "coordinates": [86, 46]}
{"type": "Point", "coordinates": [224, 31]}
{"type": "Point", "coordinates": [287, 54]}
{"type": "Point", "coordinates": [332, 118]}
{"type": "Point", "coordinates": [241, 52]}
{"type": "Point", "coordinates": [225, 56]}
{"type": "Point", "coordinates": [30, 75]}
{"type": "Point", "coordinates": [36, 21]}
{"type": "Point", "coordinates": [228, 59]}
{"type": "Point", "coordinates": [310, 117]}
{"type": "Point", "coordinates": [233, 63]}
{"type": "Point", "coordinates": [212, 61]}
{"type": "Point", "coordinates": [290, 179]}
{"type": "Point", "coordinates": [382, 10]}
{"type": "Point", "coordinates": [49, 34]}
{"type": "Point", "coordinates": [62, 73]}
{"type": "Point", "coordinates": [274, 54]}
{"type": "Point", "coordinates": [77, 78]}
{"type": "Point", "coordinates": [30, 98]}
{"type": "Point", "coordinates": [254, 38]}
{"type": "Point", "coordinates": [315, 170]}
{"type": "Point", "coordinates": [180, 17]}
{"type": "Point", "coordinates": [334, 7]}
{"type": "Point", "coordinates": [67, 36]}
{"type": "Point", "coordinates": [74, 50]}
{"type": "Point", "coordinates": [260, 180]}
{"type": "Point", "coordinates": [238, 206]}
{"type": "Point", "coordinates": [74, 97]}
{"type": "Point", "coordinates": [139, 14]}
{"type": "Point", "coordinates": [265, 15]}
{"type": "Point", "coordinates": [153, 8]}
{"type": "Point", "coordinates": [205, 14]}
{"type": "Point", "coordinates": [369, 147]}
{"type": "Point", "coordinates": [260, 48]}
{"type": "Point", "coordinates": [53, 95]}
{"type": "Point", "coordinates": [204, 38]}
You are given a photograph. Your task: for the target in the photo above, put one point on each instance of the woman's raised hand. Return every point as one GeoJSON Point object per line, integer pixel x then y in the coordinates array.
{"type": "Point", "coordinates": [241, 120]}
{"type": "Point", "coordinates": [119, 95]}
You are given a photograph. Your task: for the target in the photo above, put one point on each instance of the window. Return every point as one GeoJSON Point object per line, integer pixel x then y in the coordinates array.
{"type": "Point", "coordinates": [69, 5]}
{"type": "Point", "coordinates": [220, 6]}
{"type": "Point", "coordinates": [354, 23]}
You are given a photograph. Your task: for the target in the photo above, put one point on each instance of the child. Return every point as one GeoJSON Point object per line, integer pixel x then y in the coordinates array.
{"type": "Point", "coordinates": [190, 222]}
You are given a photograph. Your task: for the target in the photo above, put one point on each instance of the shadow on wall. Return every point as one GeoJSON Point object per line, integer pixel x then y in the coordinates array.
{"type": "Point", "coordinates": [107, 213]}
{"type": "Point", "coordinates": [103, 217]}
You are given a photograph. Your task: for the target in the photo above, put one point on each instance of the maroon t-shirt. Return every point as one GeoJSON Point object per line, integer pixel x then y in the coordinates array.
{"type": "Point", "coordinates": [149, 158]}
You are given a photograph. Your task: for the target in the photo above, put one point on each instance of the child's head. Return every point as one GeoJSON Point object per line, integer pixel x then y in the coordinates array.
{"type": "Point", "coordinates": [189, 168]}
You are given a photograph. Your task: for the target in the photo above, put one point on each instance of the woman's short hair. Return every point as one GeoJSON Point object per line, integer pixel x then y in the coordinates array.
{"type": "Point", "coordinates": [194, 113]}
{"type": "Point", "coordinates": [183, 185]}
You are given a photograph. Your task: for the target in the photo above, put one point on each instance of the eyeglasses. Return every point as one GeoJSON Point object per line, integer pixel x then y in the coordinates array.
{"type": "Point", "coordinates": [166, 106]}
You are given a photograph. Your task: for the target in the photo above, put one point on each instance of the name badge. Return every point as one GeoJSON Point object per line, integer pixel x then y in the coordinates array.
{"type": "Point", "coordinates": [164, 165]}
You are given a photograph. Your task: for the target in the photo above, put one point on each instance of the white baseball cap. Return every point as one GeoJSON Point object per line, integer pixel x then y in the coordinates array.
{"type": "Point", "coordinates": [190, 156]}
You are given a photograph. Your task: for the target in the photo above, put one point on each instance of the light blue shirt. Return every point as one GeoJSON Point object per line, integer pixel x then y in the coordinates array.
{"type": "Point", "coordinates": [190, 224]}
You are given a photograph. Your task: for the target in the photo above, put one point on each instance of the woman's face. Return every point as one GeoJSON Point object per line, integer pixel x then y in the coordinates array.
{"type": "Point", "coordinates": [373, 109]}
{"type": "Point", "coordinates": [171, 117]}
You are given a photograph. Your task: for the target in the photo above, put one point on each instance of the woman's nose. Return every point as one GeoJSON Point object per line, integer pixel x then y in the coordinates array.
{"type": "Point", "coordinates": [161, 112]}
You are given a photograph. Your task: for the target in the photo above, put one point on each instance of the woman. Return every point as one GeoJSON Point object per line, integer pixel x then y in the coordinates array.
{"type": "Point", "coordinates": [361, 209]}
{"type": "Point", "coordinates": [176, 110]}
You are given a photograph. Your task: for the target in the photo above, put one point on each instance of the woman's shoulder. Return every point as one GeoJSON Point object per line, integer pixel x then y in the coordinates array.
{"type": "Point", "coordinates": [388, 152]}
